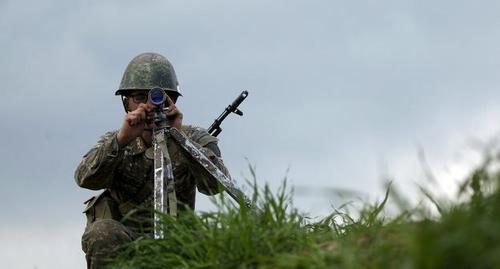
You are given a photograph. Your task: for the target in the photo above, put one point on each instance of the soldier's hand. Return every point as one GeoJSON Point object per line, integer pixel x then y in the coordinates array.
{"type": "Point", "coordinates": [174, 115]}
{"type": "Point", "coordinates": [133, 124]}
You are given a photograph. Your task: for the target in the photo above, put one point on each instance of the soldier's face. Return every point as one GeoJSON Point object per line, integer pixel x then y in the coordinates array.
{"type": "Point", "coordinates": [134, 99]}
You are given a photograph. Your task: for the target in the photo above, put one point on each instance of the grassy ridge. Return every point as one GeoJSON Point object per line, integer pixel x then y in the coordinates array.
{"type": "Point", "coordinates": [465, 235]}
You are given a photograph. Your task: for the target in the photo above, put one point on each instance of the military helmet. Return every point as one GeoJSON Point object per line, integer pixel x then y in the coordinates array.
{"type": "Point", "coordinates": [147, 71]}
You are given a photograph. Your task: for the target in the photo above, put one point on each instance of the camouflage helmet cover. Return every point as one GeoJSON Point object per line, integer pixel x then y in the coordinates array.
{"type": "Point", "coordinates": [149, 70]}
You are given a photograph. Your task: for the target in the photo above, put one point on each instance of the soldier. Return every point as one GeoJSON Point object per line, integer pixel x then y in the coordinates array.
{"type": "Point", "coordinates": [122, 164]}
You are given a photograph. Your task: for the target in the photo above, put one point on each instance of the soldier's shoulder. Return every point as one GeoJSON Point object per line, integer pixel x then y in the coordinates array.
{"type": "Point", "coordinates": [103, 139]}
{"type": "Point", "coordinates": [108, 134]}
{"type": "Point", "coordinates": [198, 134]}
{"type": "Point", "coordinates": [193, 129]}
{"type": "Point", "coordinates": [106, 137]}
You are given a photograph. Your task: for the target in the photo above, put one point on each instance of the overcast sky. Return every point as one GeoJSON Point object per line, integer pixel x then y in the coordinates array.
{"type": "Point", "coordinates": [342, 93]}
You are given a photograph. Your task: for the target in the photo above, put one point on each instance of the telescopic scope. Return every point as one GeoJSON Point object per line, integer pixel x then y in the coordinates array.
{"type": "Point", "coordinates": [157, 96]}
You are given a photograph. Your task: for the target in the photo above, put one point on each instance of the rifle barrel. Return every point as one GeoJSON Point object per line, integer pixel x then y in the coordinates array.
{"type": "Point", "coordinates": [215, 129]}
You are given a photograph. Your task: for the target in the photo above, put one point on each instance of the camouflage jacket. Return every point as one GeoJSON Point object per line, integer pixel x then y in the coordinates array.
{"type": "Point", "coordinates": [127, 172]}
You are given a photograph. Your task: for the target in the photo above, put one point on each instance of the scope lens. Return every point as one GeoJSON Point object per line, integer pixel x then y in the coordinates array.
{"type": "Point", "coordinates": [157, 96]}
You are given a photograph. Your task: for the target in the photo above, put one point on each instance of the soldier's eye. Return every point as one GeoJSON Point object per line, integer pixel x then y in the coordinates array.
{"type": "Point", "coordinates": [140, 98]}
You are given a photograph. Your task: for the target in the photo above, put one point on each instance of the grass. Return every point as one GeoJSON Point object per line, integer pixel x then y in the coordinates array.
{"type": "Point", "coordinates": [463, 234]}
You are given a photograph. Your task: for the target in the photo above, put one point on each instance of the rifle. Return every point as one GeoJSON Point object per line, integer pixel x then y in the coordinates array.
{"type": "Point", "coordinates": [215, 129]}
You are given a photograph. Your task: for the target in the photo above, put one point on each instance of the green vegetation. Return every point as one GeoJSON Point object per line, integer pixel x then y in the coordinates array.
{"type": "Point", "coordinates": [463, 234]}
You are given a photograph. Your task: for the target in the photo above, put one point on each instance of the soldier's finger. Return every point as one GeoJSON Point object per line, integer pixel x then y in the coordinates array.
{"type": "Point", "coordinates": [129, 121]}
{"type": "Point", "coordinates": [130, 117]}
{"type": "Point", "coordinates": [172, 112]}
{"type": "Point", "coordinates": [168, 109]}
{"type": "Point", "coordinates": [170, 102]}
{"type": "Point", "coordinates": [141, 108]}
{"type": "Point", "coordinates": [142, 114]}
{"type": "Point", "coordinates": [132, 121]}
{"type": "Point", "coordinates": [148, 107]}
{"type": "Point", "coordinates": [137, 117]}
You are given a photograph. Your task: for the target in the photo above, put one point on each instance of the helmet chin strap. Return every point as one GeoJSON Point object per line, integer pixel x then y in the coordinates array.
{"type": "Point", "coordinates": [124, 99]}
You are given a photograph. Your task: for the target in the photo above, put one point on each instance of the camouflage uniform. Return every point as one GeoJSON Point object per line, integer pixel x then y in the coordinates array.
{"type": "Point", "coordinates": [126, 174]}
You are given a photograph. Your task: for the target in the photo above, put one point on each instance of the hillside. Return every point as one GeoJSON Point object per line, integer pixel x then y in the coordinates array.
{"type": "Point", "coordinates": [462, 235]}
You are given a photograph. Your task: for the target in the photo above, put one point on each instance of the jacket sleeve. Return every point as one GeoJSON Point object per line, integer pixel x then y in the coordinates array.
{"type": "Point", "coordinates": [207, 144]}
{"type": "Point", "coordinates": [97, 168]}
